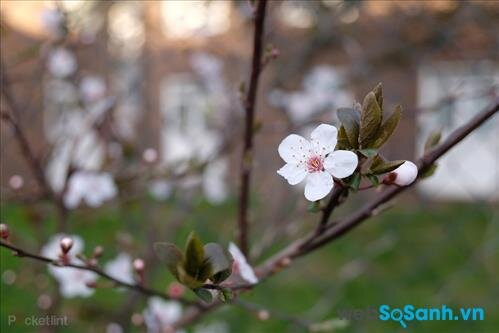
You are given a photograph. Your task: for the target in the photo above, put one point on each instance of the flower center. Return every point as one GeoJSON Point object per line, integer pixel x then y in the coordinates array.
{"type": "Point", "coordinates": [314, 164]}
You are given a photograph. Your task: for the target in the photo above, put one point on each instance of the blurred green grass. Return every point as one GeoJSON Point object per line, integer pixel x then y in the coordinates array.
{"type": "Point", "coordinates": [412, 254]}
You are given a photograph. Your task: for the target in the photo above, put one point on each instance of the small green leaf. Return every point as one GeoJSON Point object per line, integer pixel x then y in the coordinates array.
{"type": "Point", "coordinates": [368, 152]}
{"type": "Point", "coordinates": [350, 120]}
{"type": "Point", "coordinates": [343, 142]}
{"type": "Point", "coordinates": [432, 140]}
{"type": "Point", "coordinates": [194, 255]}
{"type": "Point", "coordinates": [188, 280]}
{"type": "Point", "coordinates": [378, 92]}
{"type": "Point", "coordinates": [169, 254]}
{"type": "Point", "coordinates": [386, 167]}
{"type": "Point", "coordinates": [430, 171]}
{"type": "Point", "coordinates": [226, 295]}
{"type": "Point", "coordinates": [314, 207]}
{"type": "Point", "coordinates": [355, 182]}
{"type": "Point", "coordinates": [387, 129]}
{"type": "Point", "coordinates": [221, 262]}
{"type": "Point", "coordinates": [376, 161]}
{"type": "Point", "coordinates": [204, 294]}
{"type": "Point", "coordinates": [373, 179]}
{"type": "Point", "coordinates": [370, 120]}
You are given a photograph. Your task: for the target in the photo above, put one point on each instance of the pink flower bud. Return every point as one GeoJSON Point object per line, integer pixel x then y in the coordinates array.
{"type": "Point", "coordinates": [139, 265]}
{"type": "Point", "coordinates": [98, 251]}
{"type": "Point", "coordinates": [150, 155]}
{"type": "Point", "coordinates": [405, 174]}
{"type": "Point", "coordinates": [16, 182]}
{"type": "Point", "coordinates": [263, 315]}
{"type": "Point", "coordinates": [285, 262]}
{"type": "Point", "coordinates": [66, 244]}
{"type": "Point", "coordinates": [175, 290]}
{"type": "Point", "coordinates": [4, 231]}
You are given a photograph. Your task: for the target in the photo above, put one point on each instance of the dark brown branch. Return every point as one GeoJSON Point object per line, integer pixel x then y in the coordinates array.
{"type": "Point", "coordinates": [137, 287]}
{"type": "Point", "coordinates": [249, 106]}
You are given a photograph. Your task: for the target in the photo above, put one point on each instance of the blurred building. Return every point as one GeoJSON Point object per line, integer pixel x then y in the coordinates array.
{"type": "Point", "coordinates": [175, 69]}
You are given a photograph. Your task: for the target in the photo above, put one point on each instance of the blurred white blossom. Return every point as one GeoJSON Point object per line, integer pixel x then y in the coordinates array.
{"type": "Point", "coordinates": [120, 268]}
{"type": "Point", "coordinates": [160, 190]}
{"type": "Point", "coordinates": [72, 281]}
{"type": "Point", "coordinates": [160, 315]}
{"type": "Point", "coordinates": [316, 161]}
{"type": "Point", "coordinates": [92, 88]}
{"type": "Point", "coordinates": [62, 62]}
{"type": "Point", "coordinates": [53, 22]}
{"type": "Point", "coordinates": [322, 90]}
{"type": "Point", "coordinates": [214, 184]}
{"type": "Point", "coordinates": [240, 265]}
{"type": "Point", "coordinates": [91, 187]}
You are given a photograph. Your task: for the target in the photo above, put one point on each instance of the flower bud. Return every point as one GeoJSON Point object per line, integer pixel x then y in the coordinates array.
{"type": "Point", "coordinates": [4, 231]}
{"type": "Point", "coordinates": [150, 155]}
{"type": "Point", "coordinates": [98, 250]}
{"type": "Point", "coordinates": [263, 315]}
{"type": "Point", "coordinates": [66, 244]}
{"type": "Point", "coordinates": [175, 290]}
{"type": "Point", "coordinates": [405, 174]}
{"type": "Point", "coordinates": [138, 265]}
{"type": "Point", "coordinates": [285, 262]}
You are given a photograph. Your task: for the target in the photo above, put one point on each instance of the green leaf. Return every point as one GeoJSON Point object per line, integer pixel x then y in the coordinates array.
{"type": "Point", "coordinates": [314, 207]}
{"type": "Point", "coordinates": [343, 142]}
{"type": "Point", "coordinates": [368, 152]}
{"type": "Point", "coordinates": [194, 255]}
{"type": "Point", "coordinates": [376, 161]}
{"type": "Point", "coordinates": [355, 182]}
{"type": "Point", "coordinates": [373, 179]}
{"type": "Point", "coordinates": [429, 171]}
{"type": "Point", "coordinates": [226, 295]}
{"type": "Point", "coordinates": [221, 262]}
{"type": "Point", "coordinates": [169, 254]}
{"type": "Point", "coordinates": [204, 294]}
{"type": "Point", "coordinates": [205, 271]}
{"type": "Point", "coordinates": [432, 140]}
{"type": "Point", "coordinates": [387, 129]}
{"type": "Point", "coordinates": [350, 120]}
{"type": "Point", "coordinates": [370, 120]}
{"type": "Point", "coordinates": [188, 280]}
{"type": "Point", "coordinates": [378, 92]}
{"type": "Point", "coordinates": [386, 167]}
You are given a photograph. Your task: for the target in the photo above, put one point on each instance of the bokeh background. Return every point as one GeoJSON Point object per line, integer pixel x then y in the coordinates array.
{"type": "Point", "coordinates": [165, 120]}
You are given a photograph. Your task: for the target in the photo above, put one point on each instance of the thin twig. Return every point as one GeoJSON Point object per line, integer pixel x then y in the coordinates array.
{"type": "Point", "coordinates": [119, 283]}
{"type": "Point", "coordinates": [249, 105]}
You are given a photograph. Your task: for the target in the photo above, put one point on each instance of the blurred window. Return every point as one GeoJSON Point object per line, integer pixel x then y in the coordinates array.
{"type": "Point", "coordinates": [449, 95]}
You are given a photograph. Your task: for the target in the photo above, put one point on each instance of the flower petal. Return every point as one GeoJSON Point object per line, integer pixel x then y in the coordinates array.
{"type": "Point", "coordinates": [319, 184]}
{"type": "Point", "coordinates": [294, 174]}
{"type": "Point", "coordinates": [341, 163]}
{"type": "Point", "coordinates": [324, 139]}
{"type": "Point", "coordinates": [294, 149]}
{"type": "Point", "coordinates": [245, 270]}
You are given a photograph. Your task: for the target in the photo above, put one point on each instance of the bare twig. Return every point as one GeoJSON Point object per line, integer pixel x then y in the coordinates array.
{"type": "Point", "coordinates": [250, 103]}
{"type": "Point", "coordinates": [119, 283]}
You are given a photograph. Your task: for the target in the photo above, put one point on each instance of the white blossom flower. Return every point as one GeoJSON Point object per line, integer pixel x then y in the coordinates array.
{"type": "Point", "coordinates": [72, 281]}
{"type": "Point", "coordinates": [93, 188]}
{"type": "Point", "coordinates": [92, 88]}
{"type": "Point", "coordinates": [120, 268]}
{"type": "Point", "coordinates": [160, 315]}
{"type": "Point", "coordinates": [62, 62]}
{"type": "Point", "coordinates": [241, 266]}
{"type": "Point", "coordinates": [405, 174]}
{"type": "Point", "coordinates": [315, 160]}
